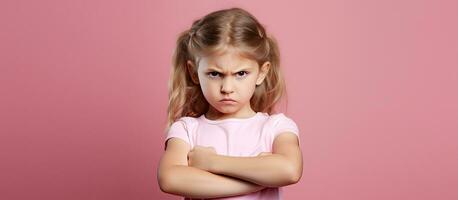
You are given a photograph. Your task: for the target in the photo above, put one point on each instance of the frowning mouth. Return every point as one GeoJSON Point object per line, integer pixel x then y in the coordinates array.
{"type": "Point", "coordinates": [228, 101]}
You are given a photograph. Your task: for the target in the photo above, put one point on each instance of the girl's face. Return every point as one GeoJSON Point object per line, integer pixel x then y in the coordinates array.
{"type": "Point", "coordinates": [228, 76]}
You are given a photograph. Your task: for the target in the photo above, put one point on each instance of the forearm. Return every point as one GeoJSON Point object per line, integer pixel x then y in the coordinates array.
{"type": "Point", "coordinates": [270, 171]}
{"type": "Point", "coordinates": [196, 183]}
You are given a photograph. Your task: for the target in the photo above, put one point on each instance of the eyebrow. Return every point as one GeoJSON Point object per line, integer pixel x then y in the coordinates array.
{"type": "Point", "coordinates": [218, 70]}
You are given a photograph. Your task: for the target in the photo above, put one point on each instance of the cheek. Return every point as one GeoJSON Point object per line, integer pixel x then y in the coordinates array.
{"type": "Point", "coordinates": [251, 84]}
{"type": "Point", "coordinates": [208, 88]}
{"type": "Point", "coordinates": [249, 91]}
{"type": "Point", "coordinates": [247, 88]}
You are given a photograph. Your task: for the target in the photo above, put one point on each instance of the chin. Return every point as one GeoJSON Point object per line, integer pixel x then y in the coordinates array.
{"type": "Point", "coordinates": [227, 109]}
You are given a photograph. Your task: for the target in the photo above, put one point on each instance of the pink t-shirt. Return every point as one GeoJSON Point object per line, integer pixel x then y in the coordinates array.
{"type": "Point", "coordinates": [236, 137]}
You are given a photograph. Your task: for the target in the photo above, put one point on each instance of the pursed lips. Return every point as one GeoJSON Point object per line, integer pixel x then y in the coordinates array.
{"type": "Point", "coordinates": [227, 100]}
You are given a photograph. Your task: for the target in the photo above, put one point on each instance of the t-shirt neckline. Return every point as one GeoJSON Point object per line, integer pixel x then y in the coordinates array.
{"type": "Point", "coordinates": [229, 119]}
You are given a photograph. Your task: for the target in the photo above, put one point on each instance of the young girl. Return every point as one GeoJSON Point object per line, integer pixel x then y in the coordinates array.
{"type": "Point", "coordinates": [223, 140]}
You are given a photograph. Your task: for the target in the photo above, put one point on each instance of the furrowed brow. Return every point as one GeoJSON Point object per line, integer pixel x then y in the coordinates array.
{"type": "Point", "coordinates": [219, 70]}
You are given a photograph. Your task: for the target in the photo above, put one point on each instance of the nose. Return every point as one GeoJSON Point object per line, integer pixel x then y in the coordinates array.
{"type": "Point", "coordinates": [227, 86]}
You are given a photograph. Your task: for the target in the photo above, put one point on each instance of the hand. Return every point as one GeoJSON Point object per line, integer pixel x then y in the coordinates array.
{"type": "Point", "coordinates": [264, 153]}
{"type": "Point", "coordinates": [201, 157]}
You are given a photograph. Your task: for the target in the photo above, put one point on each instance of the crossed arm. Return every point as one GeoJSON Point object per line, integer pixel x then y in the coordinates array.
{"type": "Point", "coordinates": [282, 167]}
{"type": "Point", "coordinates": [230, 176]}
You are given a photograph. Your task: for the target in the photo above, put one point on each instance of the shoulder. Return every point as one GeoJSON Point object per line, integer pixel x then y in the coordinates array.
{"type": "Point", "coordinates": [282, 123]}
{"type": "Point", "coordinates": [279, 118]}
{"type": "Point", "coordinates": [182, 128]}
{"type": "Point", "coordinates": [184, 122]}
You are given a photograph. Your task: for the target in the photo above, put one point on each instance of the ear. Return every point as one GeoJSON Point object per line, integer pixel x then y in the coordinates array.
{"type": "Point", "coordinates": [192, 70]}
{"type": "Point", "coordinates": [263, 72]}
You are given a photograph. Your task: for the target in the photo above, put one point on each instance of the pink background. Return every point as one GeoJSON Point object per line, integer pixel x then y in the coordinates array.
{"type": "Point", "coordinates": [372, 86]}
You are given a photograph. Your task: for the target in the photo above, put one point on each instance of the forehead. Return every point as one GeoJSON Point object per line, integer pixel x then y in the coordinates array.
{"type": "Point", "coordinates": [228, 60]}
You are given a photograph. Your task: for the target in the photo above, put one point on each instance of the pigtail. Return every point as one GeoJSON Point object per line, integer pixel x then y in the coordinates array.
{"type": "Point", "coordinates": [185, 97]}
{"type": "Point", "coordinates": [177, 83]}
{"type": "Point", "coordinates": [270, 92]}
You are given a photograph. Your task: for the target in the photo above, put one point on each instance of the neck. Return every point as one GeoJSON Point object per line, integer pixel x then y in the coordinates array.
{"type": "Point", "coordinates": [214, 114]}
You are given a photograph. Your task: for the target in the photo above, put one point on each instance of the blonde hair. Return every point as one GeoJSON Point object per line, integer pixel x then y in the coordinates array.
{"type": "Point", "coordinates": [233, 27]}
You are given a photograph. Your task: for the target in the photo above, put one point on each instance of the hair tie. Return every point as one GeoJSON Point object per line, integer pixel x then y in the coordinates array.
{"type": "Point", "coordinates": [191, 34]}
{"type": "Point", "coordinates": [260, 33]}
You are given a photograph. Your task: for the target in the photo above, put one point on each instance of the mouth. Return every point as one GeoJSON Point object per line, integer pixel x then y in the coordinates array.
{"type": "Point", "coordinates": [228, 101]}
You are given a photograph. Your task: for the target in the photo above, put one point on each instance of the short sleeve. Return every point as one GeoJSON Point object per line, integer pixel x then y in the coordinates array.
{"type": "Point", "coordinates": [178, 129]}
{"type": "Point", "coordinates": [284, 124]}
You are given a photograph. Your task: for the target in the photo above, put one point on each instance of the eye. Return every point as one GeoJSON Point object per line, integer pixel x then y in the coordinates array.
{"type": "Point", "coordinates": [242, 73]}
{"type": "Point", "coordinates": [213, 74]}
